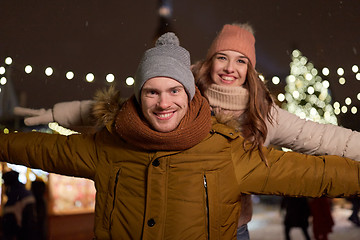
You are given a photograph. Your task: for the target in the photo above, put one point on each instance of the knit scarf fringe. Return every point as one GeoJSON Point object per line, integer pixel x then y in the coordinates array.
{"type": "Point", "coordinates": [194, 127]}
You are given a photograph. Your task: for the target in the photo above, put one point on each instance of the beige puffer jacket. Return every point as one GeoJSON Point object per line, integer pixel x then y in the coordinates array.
{"type": "Point", "coordinates": [310, 137]}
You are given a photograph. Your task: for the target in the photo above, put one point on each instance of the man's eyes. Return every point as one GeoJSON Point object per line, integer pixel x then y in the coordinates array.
{"type": "Point", "coordinates": [175, 91]}
{"type": "Point", "coordinates": [150, 93]}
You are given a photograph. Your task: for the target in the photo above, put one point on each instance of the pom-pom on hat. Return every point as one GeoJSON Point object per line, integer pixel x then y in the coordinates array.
{"type": "Point", "coordinates": [166, 59]}
{"type": "Point", "coordinates": [236, 38]}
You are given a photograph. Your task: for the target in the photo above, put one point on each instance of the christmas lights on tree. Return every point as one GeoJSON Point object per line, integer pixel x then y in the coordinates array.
{"type": "Point", "coordinates": [307, 94]}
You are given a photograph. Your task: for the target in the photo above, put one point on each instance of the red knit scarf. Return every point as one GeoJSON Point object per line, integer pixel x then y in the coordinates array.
{"type": "Point", "coordinates": [194, 127]}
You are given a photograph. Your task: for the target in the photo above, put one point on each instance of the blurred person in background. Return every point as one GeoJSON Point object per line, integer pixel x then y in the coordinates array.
{"type": "Point", "coordinates": [297, 213]}
{"type": "Point", "coordinates": [19, 220]}
{"type": "Point", "coordinates": [38, 188]}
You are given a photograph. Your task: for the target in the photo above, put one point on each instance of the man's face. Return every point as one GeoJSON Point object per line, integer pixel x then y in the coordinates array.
{"type": "Point", "coordinates": [164, 103]}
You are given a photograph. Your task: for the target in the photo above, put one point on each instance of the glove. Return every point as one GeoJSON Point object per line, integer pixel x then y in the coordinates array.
{"type": "Point", "coordinates": [34, 116]}
{"type": "Point", "coordinates": [67, 114]}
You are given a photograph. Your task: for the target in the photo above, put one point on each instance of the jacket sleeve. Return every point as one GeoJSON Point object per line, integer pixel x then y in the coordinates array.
{"type": "Point", "coordinates": [74, 113]}
{"type": "Point", "coordinates": [73, 155]}
{"type": "Point", "coordinates": [300, 135]}
{"type": "Point", "coordinates": [296, 174]}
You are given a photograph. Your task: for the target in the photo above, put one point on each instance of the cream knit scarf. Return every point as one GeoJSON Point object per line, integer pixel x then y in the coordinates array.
{"type": "Point", "coordinates": [193, 128]}
{"type": "Point", "coordinates": [230, 98]}
{"type": "Point", "coordinates": [228, 104]}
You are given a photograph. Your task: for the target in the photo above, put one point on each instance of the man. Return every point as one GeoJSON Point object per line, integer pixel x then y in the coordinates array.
{"type": "Point", "coordinates": [163, 169]}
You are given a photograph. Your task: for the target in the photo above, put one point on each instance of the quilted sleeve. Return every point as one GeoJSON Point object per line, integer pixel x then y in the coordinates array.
{"type": "Point", "coordinates": [296, 174]}
{"type": "Point", "coordinates": [73, 155]}
{"type": "Point", "coordinates": [309, 137]}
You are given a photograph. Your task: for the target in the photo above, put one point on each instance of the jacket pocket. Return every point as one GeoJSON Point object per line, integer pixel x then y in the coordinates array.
{"type": "Point", "coordinates": [211, 203]}
{"type": "Point", "coordinates": [111, 197]}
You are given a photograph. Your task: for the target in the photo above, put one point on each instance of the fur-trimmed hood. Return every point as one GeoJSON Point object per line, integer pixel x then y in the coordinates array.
{"type": "Point", "coordinates": [106, 106]}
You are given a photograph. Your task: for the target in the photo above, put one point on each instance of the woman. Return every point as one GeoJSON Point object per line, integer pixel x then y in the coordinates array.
{"type": "Point", "coordinates": [239, 98]}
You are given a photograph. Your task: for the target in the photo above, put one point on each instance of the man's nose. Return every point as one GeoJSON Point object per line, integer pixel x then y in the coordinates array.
{"type": "Point", "coordinates": [164, 101]}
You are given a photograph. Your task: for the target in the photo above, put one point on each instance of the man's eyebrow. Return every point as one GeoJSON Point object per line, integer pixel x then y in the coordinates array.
{"type": "Point", "coordinates": [149, 89]}
{"type": "Point", "coordinates": [155, 89]}
{"type": "Point", "coordinates": [177, 87]}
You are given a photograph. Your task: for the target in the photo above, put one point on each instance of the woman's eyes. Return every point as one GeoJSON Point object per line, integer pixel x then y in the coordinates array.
{"type": "Point", "coordinates": [240, 60]}
{"type": "Point", "coordinates": [221, 58]}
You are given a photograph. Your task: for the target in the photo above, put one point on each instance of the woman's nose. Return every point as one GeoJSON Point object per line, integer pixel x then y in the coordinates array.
{"type": "Point", "coordinates": [229, 67]}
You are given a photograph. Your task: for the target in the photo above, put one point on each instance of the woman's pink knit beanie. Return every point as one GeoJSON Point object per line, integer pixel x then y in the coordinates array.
{"type": "Point", "coordinates": [235, 38]}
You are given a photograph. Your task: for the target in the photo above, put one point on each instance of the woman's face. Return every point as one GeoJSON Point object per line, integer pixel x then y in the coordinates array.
{"type": "Point", "coordinates": [229, 68]}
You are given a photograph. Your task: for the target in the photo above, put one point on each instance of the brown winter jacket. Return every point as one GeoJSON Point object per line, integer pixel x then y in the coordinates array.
{"type": "Point", "coordinates": [191, 194]}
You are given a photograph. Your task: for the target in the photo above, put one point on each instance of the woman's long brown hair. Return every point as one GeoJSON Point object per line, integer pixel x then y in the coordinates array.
{"type": "Point", "coordinates": [254, 128]}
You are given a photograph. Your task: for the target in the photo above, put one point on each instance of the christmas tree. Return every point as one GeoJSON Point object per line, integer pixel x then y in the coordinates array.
{"type": "Point", "coordinates": [307, 94]}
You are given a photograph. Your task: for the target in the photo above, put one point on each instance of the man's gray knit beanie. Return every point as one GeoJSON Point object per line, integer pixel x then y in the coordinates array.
{"type": "Point", "coordinates": [166, 59]}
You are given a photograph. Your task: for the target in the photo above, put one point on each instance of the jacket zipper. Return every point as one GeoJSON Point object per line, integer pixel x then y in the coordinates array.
{"type": "Point", "coordinates": [113, 206]}
{"type": "Point", "coordinates": [207, 206]}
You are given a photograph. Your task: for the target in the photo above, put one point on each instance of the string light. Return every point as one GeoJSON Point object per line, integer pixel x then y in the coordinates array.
{"type": "Point", "coordinates": [3, 80]}
{"type": "Point", "coordinates": [130, 81]}
{"type": "Point", "coordinates": [340, 71]}
{"type": "Point", "coordinates": [28, 69]}
{"type": "Point", "coordinates": [342, 81]}
{"type": "Point", "coordinates": [2, 70]}
{"type": "Point", "coordinates": [344, 109]}
{"type": "Point", "coordinates": [354, 110]}
{"type": "Point", "coordinates": [90, 77]}
{"type": "Point", "coordinates": [325, 71]}
{"type": "Point", "coordinates": [355, 68]}
{"type": "Point", "coordinates": [110, 78]}
{"type": "Point", "coordinates": [357, 76]}
{"type": "Point", "coordinates": [326, 84]}
{"type": "Point", "coordinates": [281, 97]}
{"type": "Point", "coordinates": [70, 75]}
{"type": "Point", "coordinates": [276, 80]}
{"type": "Point", "coordinates": [8, 60]}
{"type": "Point", "coordinates": [49, 71]}
{"type": "Point", "coordinates": [348, 101]}
{"type": "Point", "coordinates": [310, 90]}
{"type": "Point", "coordinates": [336, 105]}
